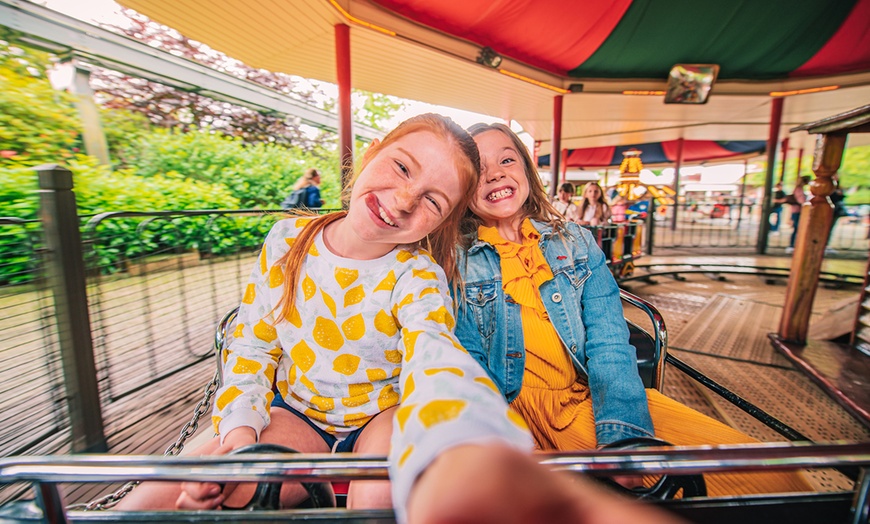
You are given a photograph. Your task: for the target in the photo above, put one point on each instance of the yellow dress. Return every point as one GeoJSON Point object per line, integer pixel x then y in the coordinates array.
{"type": "Point", "coordinates": [558, 408]}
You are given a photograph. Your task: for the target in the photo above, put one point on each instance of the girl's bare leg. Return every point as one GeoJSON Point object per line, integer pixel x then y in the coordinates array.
{"type": "Point", "coordinates": [374, 440]}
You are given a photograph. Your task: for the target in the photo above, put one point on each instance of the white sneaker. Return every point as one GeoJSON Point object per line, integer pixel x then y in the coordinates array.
{"type": "Point", "coordinates": [789, 250]}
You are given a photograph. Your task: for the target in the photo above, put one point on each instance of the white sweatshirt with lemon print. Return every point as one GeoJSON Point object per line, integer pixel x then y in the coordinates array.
{"type": "Point", "coordinates": [364, 336]}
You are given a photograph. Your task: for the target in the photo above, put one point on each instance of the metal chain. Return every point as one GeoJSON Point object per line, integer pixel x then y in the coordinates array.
{"type": "Point", "coordinates": [112, 499]}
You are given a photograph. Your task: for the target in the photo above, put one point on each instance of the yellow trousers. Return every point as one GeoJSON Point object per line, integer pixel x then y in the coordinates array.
{"type": "Point", "coordinates": [674, 423]}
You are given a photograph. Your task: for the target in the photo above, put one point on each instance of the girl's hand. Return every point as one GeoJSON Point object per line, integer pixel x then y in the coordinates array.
{"type": "Point", "coordinates": [209, 495]}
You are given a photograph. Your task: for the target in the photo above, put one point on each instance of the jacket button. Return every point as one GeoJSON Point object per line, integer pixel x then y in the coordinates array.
{"type": "Point", "coordinates": [557, 297]}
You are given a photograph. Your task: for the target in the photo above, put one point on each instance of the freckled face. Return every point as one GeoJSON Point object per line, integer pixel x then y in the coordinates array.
{"type": "Point", "coordinates": [404, 193]}
{"type": "Point", "coordinates": [503, 186]}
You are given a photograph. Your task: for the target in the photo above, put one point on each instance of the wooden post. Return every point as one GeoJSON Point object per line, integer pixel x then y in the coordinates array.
{"type": "Point", "coordinates": [817, 214]}
{"type": "Point", "coordinates": [345, 120]}
{"type": "Point", "coordinates": [784, 150]}
{"type": "Point", "coordinates": [557, 144]}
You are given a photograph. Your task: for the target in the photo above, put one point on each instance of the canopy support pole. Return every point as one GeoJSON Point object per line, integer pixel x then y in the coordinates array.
{"type": "Point", "coordinates": [797, 171]}
{"type": "Point", "coordinates": [817, 215]}
{"type": "Point", "coordinates": [742, 194]}
{"type": "Point", "coordinates": [766, 202]}
{"type": "Point", "coordinates": [564, 161]}
{"type": "Point", "coordinates": [784, 150]}
{"type": "Point", "coordinates": [557, 144]}
{"type": "Point", "coordinates": [677, 167]}
{"type": "Point", "coordinates": [345, 122]}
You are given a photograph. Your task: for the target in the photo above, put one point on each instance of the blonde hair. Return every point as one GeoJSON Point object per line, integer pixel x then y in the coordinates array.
{"type": "Point", "coordinates": [441, 242]}
{"type": "Point", "coordinates": [537, 206]}
{"type": "Point", "coordinates": [603, 206]}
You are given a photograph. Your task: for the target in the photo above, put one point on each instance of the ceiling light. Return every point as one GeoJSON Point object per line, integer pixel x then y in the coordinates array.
{"type": "Point", "coordinates": [489, 58]}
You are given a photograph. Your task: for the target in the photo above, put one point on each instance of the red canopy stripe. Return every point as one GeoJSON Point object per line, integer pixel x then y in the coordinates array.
{"type": "Point", "coordinates": [848, 50]}
{"type": "Point", "coordinates": [538, 32]}
{"type": "Point", "coordinates": [694, 150]}
{"type": "Point", "coordinates": [590, 156]}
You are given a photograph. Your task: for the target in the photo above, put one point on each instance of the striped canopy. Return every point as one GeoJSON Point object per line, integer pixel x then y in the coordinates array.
{"type": "Point", "coordinates": [645, 38]}
{"type": "Point", "coordinates": [659, 152]}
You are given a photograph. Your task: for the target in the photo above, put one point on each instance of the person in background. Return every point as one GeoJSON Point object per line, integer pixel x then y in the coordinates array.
{"type": "Point", "coordinates": [797, 199]}
{"type": "Point", "coordinates": [618, 209]}
{"type": "Point", "coordinates": [776, 209]}
{"type": "Point", "coordinates": [837, 197]}
{"type": "Point", "coordinates": [540, 309]}
{"type": "Point", "coordinates": [310, 181]}
{"type": "Point", "coordinates": [594, 211]}
{"type": "Point", "coordinates": [565, 205]}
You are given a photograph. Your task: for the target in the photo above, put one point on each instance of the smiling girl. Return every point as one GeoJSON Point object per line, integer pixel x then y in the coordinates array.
{"type": "Point", "coordinates": [345, 316]}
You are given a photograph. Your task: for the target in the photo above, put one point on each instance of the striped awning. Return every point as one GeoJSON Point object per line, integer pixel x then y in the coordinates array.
{"type": "Point", "coordinates": [660, 152]}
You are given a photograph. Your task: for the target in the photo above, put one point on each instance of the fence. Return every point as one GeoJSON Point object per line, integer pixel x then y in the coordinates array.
{"type": "Point", "coordinates": [735, 225]}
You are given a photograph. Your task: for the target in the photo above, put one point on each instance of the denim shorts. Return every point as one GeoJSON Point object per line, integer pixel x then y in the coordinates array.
{"type": "Point", "coordinates": [344, 445]}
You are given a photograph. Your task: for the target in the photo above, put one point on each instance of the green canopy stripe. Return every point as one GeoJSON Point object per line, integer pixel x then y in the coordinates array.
{"type": "Point", "coordinates": [650, 39]}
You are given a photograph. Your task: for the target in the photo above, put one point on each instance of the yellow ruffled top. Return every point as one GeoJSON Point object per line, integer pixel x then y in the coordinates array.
{"type": "Point", "coordinates": [550, 394]}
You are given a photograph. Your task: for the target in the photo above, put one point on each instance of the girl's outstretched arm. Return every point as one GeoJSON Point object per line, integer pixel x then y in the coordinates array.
{"type": "Point", "coordinates": [500, 485]}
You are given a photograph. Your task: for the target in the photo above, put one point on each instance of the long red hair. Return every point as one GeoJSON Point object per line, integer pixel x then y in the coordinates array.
{"type": "Point", "coordinates": [441, 243]}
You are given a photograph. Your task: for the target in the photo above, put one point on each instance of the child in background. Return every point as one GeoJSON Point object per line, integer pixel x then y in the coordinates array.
{"type": "Point", "coordinates": [594, 211]}
{"type": "Point", "coordinates": [348, 315]}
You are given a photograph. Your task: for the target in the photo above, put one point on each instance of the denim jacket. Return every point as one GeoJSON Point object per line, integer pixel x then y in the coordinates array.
{"type": "Point", "coordinates": [582, 301]}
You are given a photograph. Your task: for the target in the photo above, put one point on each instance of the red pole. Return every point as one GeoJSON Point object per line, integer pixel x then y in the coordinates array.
{"type": "Point", "coordinates": [784, 149]}
{"type": "Point", "coordinates": [557, 143]}
{"type": "Point", "coordinates": [345, 122]}
{"type": "Point", "coordinates": [772, 139]}
{"type": "Point", "coordinates": [677, 183]}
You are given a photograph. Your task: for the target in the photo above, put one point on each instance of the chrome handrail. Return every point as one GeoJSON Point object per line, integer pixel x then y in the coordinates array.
{"type": "Point", "coordinates": [660, 337]}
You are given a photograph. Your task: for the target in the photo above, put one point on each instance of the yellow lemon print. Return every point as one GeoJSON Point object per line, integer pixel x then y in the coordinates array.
{"type": "Point", "coordinates": [388, 398]}
{"type": "Point", "coordinates": [409, 387]}
{"type": "Point", "coordinates": [405, 455]}
{"type": "Point", "coordinates": [323, 403]}
{"type": "Point", "coordinates": [263, 266]}
{"type": "Point", "coordinates": [354, 296]}
{"type": "Point", "coordinates": [346, 364]}
{"type": "Point", "coordinates": [312, 250]}
{"type": "Point", "coordinates": [442, 316]}
{"type": "Point", "coordinates": [303, 356]}
{"type": "Point", "coordinates": [308, 287]}
{"type": "Point", "coordinates": [375, 374]}
{"type": "Point", "coordinates": [316, 415]}
{"type": "Point", "coordinates": [290, 241]}
{"type": "Point", "coordinates": [250, 294]}
{"type": "Point", "coordinates": [229, 395]}
{"type": "Point", "coordinates": [429, 291]}
{"type": "Point", "coordinates": [327, 334]}
{"type": "Point", "coordinates": [216, 423]}
{"type": "Point", "coordinates": [435, 371]}
{"type": "Point", "coordinates": [439, 411]}
{"type": "Point", "coordinates": [424, 253]}
{"type": "Point", "coordinates": [282, 387]}
{"type": "Point", "coordinates": [276, 277]}
{"type": "Point", "coordinates": [239, 331]}
{"type": "Point", "coordinates": [354, 328]}
{"type": "Point", "coordinates": [393, 355]}
{"type": "Point", "coordinates": [345, 277]}
{"type": "Point", "coordinates": [396, 372]}
{"type": "Point", "coordinates": [407, 300]}
{"type": "Point", "coordinates": [270, 373]}
{"type": "Point", "coordinates": [355, 401]}
{"type": "Point", "coordinates": [275, 353]}
{"type": "Point", "coordinates": [404, 256]}
{"type": "Point", "coordinates": [356, 419]}
{"type": "Point", "coordinates": [410, 339]}
{"type": "Point", "coordinates": [265, 332]}
{"type": "Point", "coordinates": [308, 384]}
{"type": "Point", "coordinates": [269, 397]}
{"type": "Point", "coordinates": [328, 300]}
{"type": "Point", "coordinates": [517, 419]}
{"type": "Point", "coordinates": [294, 318]}
{"type": "Point", "coordinates": [424, 274]}
{"type": "Point", "coordinates": [388, 283]}
{"type": "Point", "coordinates": [385, 323]}
{"type": "Point", "coordinates": [291, 376]}
{"type": "Point", "coordinates": [403, 414]}
{"type": "Point", "coordinates": [363, 388]}
{"type": "Point", "coordinates": [486, 381]}
{"type": "Point", "coordinates": [301, 222]}
{"type": "Point", "coordinates": [453, 341]}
